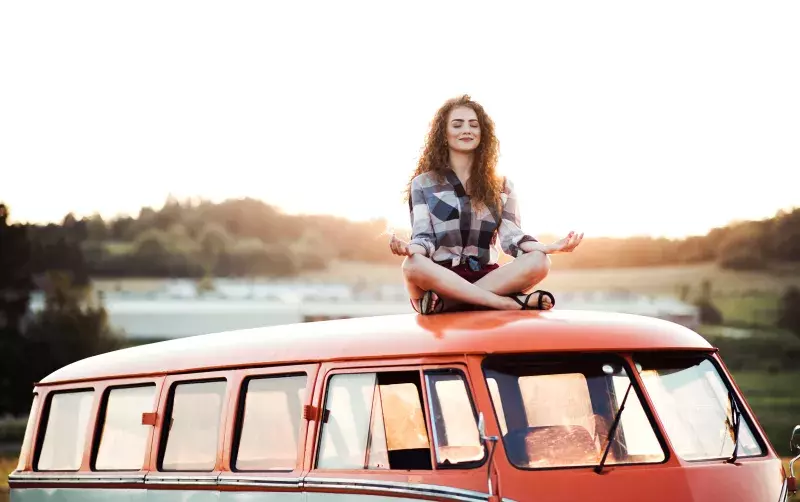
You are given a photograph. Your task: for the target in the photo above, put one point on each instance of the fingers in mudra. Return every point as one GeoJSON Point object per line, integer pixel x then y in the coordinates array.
{"type": "Point", "coordinates": [572, 241]}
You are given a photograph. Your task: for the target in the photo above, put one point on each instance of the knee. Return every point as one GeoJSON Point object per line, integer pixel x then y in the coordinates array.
{"type": "Point", "coordinates": [411, 267]}
{"type": "Point", "coordinates": [538, 266]}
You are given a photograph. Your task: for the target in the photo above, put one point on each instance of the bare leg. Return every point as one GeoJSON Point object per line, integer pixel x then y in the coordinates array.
{"type": "Point", "coordinates": [518, 276]}
{"type": "Point", "coordinates": [522, 274]}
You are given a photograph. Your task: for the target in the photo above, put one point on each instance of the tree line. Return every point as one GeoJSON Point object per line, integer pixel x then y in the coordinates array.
{"type": "Point", "coordinates": [248, 237]}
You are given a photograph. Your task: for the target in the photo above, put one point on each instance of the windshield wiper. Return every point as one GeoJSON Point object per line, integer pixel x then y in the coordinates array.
{"type": "Point", "coordinates": [613, 430]}
{"type": "Point", "coordinates": [733, 425]}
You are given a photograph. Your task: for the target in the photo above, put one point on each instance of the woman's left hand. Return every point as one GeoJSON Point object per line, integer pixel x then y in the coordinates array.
{"type": "Point", "coordinates": [567, 244]}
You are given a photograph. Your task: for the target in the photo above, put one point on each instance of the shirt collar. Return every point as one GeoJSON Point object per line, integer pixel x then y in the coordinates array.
{"type": "Point", "coordinates": [453, 179]}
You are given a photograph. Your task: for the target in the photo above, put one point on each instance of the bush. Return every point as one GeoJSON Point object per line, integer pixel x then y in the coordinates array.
{"type": "Point", "coordinates": [13, 430]}
{"type": "Point", "coordinates": [709, 314]}
{"type": "Point", "coordinates": [789, 311]}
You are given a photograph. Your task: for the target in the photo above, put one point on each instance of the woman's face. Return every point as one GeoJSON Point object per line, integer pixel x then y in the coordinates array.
{"type": "Point", "coordinates": [463, 129]}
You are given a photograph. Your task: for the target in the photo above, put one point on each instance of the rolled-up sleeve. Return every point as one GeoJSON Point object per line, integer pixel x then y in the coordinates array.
{"type": "Point", "coordinates": [510, 232]}
{"type": "Point", "coordinates": [422, 232]}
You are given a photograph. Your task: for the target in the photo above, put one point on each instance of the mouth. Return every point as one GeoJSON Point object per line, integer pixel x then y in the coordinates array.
{"type": "Point", "coordinates": [467, 140]}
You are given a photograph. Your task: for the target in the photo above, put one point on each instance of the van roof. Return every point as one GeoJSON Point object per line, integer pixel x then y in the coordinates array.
{"type": "Point", "coordinates": [392, 336]}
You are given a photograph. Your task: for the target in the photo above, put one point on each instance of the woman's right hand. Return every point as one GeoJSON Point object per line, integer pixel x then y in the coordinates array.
{"type": "Point", "coordinates": [398, 247]}
{"type": "Point", "coordinates": [401, 248]}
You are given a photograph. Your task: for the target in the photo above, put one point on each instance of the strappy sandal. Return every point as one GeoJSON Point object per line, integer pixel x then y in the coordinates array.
{"type": "Point", "coordinates": [539, 306]}
{"type": "Point", "coordinates": [430, 303]}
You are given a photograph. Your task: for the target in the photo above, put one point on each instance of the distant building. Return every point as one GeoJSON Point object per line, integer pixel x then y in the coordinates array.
{"type": "Point", "coordinates": [176, 310]}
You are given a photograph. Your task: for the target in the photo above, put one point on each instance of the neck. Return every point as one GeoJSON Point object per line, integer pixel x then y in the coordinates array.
{"type": "Point", "coordinates": [461, 164]}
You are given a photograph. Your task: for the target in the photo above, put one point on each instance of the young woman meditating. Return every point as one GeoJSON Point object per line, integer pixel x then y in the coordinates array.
{"type": "Point", "coordinates": [460, 209]}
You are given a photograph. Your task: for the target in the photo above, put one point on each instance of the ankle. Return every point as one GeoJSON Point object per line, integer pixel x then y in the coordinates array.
{"type": "Point", "coordinates": [506, 303]}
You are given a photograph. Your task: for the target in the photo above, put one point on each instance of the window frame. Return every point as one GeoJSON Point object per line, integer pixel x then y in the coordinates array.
{"type": "Point", "coordinates": [637, 387]}
{"type": "Point", "coordinates": [748, 416]}
{"type": "Point", "coordinates": [158, 476]}
{"type": "Point", "coordinates": [104, 393]}
{"type": "Point", "coordinates": [26, 454]}
{"type": "Point", "coordinates": [452, 370]}
{"type": "Point", "coordinates": [43, 422]}
{"type": "Point", "coordinates": [233, 433]}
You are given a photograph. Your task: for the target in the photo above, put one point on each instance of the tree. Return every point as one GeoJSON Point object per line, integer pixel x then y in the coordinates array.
{"type": "Point", "coordinates": [96, 228]}
{"type": "Point", "coordinates": [71, 327]}
{"type": "Point", "coordinates": [709, 313]}
{"type": "Point", "coordinates": [16, 284]}
{"type": "Point", "coordinates": [214, 244]}
{"type": "Point", "coordinates": [789, 311]}
{"type": "Point", "coordinates": [743, 247]}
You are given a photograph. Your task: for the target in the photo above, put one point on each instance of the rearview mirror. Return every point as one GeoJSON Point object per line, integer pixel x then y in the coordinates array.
{"type": "Point", "coordinates": [485, 439]}
{"type": "Point", "coordinates": [794, 447]}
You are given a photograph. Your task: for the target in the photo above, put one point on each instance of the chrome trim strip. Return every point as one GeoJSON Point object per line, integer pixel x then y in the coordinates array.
{"type": "Point", "coordinates": [265, 481]}
{"type": "Point", "coordinates": [65, 477]}
{"type": "Point", "coordinates": [396, 487]}
{"type": "Point", "coordinates": [184, 479]}
{"type": "Point", "coordinates": [250, 480]}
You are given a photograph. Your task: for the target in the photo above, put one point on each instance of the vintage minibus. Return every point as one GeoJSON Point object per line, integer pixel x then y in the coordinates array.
{"type": "Point", "coordinates": [469, 406]}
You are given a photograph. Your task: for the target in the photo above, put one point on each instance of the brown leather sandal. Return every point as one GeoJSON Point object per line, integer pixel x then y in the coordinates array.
{"type": "Point", "coordinates": [539, 306]}
{"type": "Point", "coordinates": [430, 303]}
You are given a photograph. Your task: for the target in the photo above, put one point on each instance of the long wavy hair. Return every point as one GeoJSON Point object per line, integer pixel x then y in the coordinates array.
{"type": "Point", "coordinates": [484, 185]}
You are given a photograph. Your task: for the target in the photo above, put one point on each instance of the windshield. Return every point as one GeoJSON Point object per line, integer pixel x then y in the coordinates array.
{"type": "Point", "coordinates": [557, 411]}
{"type": "Point", "coordinates": [693, 403]}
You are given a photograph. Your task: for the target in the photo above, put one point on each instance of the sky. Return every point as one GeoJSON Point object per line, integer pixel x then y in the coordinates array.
{"type": "Point", "coordinates": [614, 118]}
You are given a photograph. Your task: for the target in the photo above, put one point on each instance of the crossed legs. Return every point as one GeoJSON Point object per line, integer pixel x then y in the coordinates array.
{"type": "Point", "coordinates": [520, 276]}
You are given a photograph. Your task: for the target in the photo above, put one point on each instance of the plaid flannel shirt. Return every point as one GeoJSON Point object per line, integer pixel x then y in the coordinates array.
{"type": "Point", "coordinates": [445, 222]}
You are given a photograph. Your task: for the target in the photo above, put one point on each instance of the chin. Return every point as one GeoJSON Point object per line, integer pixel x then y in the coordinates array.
{"type": "Point", "coordinates": [464, 148]}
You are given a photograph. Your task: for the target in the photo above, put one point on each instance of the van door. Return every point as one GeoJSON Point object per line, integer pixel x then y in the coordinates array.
{"type": "Point", "coordinates": [396, 430]}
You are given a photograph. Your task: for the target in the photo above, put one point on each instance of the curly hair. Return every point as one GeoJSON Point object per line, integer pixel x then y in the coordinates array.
{"type": "Point", "coordinates": [484, 185]}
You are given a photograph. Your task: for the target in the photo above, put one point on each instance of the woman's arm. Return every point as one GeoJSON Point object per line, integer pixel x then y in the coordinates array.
{"type": "Point", "coordinates": [513, 241]}
{"type": "Point", "coordinates": [423, 238]}
{"type": "Point", "coordinates": [565, 245]}
{"type": "Point", "coordinates": [531, 246]}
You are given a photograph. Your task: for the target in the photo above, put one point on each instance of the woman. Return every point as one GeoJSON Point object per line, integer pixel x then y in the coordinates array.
{"type": "Point", "coordinates": [459, 210]}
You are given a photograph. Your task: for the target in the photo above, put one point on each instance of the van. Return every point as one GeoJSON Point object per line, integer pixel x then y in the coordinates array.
{"type": "Point", "coordinates": [469, 406]}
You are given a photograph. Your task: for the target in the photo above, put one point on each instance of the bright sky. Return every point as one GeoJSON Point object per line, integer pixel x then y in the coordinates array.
{"type": "Point", "coordinates": [614, 118]}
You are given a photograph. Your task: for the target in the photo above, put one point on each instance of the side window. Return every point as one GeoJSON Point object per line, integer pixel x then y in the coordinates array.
{"type": "Point", "coordinates": [455, 424]}
{"type": "Point", "coordinates": [270, 423]}
{"type": "Point", "coordinates": [65, 431]}
{"type": "Point", "coordinates": [26, 440]}
{"type": "Point", "coordinates": [193, 426]}
{"type": "Point", "coordinates": [123, 438]}
{"type": "Point", "coordinates": [374, 421]}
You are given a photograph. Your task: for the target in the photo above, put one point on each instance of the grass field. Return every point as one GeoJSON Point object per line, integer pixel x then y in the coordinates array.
{"type": "Point", "coordinates": [775, 399]}
{"type": "Point", "coordinates": [6, 466]}
{"type": "Point", "coordinates": [760, 309]}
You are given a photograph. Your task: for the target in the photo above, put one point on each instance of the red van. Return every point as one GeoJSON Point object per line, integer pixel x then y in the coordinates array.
{"type": "Point", "coordinates": [472, 406]}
